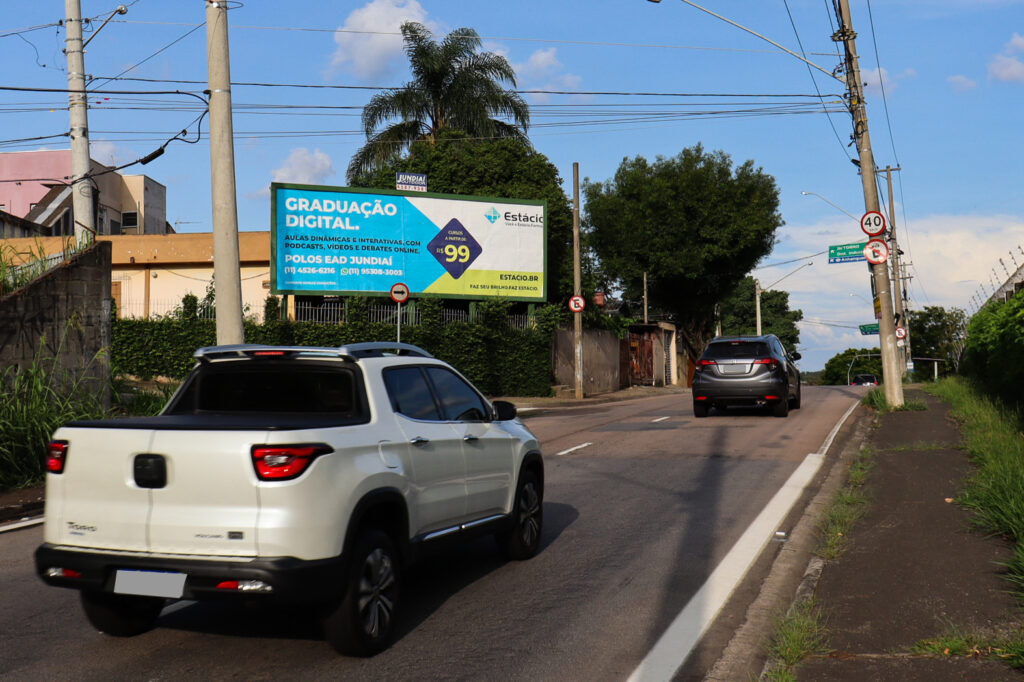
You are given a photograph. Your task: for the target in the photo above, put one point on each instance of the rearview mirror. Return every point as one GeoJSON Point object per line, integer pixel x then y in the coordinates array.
{"type": "Point", "coordinates": [505, 410]}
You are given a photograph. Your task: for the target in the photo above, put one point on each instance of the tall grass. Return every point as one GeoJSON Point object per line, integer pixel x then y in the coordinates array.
{"type": "Point", "coordinates": [34, 401]}
{"type": "Point", "coordinates": [995, 491]}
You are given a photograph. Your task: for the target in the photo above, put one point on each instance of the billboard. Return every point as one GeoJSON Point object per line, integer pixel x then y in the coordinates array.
{"type": "Point", "coordinates": [347, 241]}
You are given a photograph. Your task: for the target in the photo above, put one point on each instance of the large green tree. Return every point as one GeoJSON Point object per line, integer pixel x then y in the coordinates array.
{"type": "Point", "coordinates": [457, 164]}
{"type": "Point", "coordinates": [842, 367]}
{"type": "Point", "coordinates": [738, 313]}
{"type": "Point", "coordinates": [936, 332]}
{"type": "Point", "coordinates": [694, 223]}
{"type": "Point", "coordinates": [454, 87]}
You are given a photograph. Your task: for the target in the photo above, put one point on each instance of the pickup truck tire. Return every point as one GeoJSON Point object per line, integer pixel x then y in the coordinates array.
{"type": "Point", "coordinates": [363, 624]}
{"type": "Point", "coordinates": [121, 615]}
{"type": "Point", "coordinates": [523, 540]}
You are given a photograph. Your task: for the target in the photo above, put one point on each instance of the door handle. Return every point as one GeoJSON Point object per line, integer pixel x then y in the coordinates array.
{"type": "Point", "coordinates": [419, 440]}
{"type": "Point", "coordinates": [469, 438]}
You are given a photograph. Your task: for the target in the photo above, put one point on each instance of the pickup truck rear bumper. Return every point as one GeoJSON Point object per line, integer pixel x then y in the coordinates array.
{"type": "Point", "coordinates": [291, 580]}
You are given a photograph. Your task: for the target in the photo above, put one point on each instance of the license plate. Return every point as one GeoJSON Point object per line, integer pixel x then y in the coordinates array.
{"type": "Point", "coordinates": [735, 369]}
{"type": "Point", "coordinates": [150, 583]}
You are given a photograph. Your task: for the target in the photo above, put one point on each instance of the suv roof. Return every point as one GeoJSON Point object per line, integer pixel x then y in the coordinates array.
{"type": "Point", "coordinates": [352, 351]}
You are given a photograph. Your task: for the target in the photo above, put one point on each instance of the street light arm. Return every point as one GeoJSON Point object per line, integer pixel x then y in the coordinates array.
{"type": "Point", "coordinates": [121, 9]}
{"type": "Point", "coordinates": [830, 204]}
{"type": "Point", "coordinates": [764, 38]}
{"type": "Point", "coordinates": [786, 275]}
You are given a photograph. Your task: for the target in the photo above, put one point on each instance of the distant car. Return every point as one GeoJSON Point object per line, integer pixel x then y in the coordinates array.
{"type": "Point", "coordinates": [746, 370]}
{"type": "Point", "coordinates": [864, 380]}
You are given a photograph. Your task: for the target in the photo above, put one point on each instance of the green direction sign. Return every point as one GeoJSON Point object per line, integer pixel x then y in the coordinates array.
{"type": "Point", "coordinates": [869, 329]}
{"type": "Point", "coordinates": [846, 253]}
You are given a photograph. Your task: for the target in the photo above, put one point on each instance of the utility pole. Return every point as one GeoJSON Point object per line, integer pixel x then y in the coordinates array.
{"type": "Point", "coordinates": [645, 298]}
{"type": "Point", "coordinates": [227, 281]}
{"type": "Point", "coordinates": [576, 279]}
{"type": "Point", "coordinates": [78, 110]}
{"type": "Point", "coordinates": [897, 273]}
{"type": "Point", "coordinates": [891, 374]}
{"type": "Point", "coordinates": [757, 304]}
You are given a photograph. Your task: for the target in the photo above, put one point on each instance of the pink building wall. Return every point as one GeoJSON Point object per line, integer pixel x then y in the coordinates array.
{"type": "Point", "coordinates": [50, 165]}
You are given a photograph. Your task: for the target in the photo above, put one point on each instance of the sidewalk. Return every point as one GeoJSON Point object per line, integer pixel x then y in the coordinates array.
{"type": "Point", "coordinates": [913, 568]}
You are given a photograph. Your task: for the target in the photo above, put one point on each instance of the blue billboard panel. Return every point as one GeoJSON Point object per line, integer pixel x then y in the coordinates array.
{"type": "Point", "coordinates": [335, 240]}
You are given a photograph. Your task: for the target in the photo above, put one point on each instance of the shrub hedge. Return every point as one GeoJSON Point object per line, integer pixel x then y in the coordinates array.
{"type": "Point", "coordinates": [499, 360]}
{"type": "Point", "coordinates": [994, 351]}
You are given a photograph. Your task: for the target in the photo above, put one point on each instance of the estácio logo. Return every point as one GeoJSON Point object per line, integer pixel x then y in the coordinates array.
{"type": "Point", "coordinates": [492, 215]}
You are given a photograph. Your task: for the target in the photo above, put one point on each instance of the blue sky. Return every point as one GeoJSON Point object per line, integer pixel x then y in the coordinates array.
{"type": "Point", "coordinates": [945, 96]}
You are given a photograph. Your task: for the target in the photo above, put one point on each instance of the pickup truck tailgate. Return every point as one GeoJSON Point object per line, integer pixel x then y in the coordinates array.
{"type": "Point", "coordinates": [153, 490]}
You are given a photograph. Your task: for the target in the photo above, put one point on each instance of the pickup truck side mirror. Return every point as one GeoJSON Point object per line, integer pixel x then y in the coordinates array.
{"type": "Point", "coordinates": [505, 410]}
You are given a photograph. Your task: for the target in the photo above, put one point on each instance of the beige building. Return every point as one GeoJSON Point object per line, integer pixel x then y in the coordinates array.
{"type": "Point", "coordinates": [150, 274]}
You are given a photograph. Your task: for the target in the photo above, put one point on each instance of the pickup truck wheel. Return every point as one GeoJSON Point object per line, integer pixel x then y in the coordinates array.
{"type": "Point", "coordinates": [363, 624]}
{"type": "Point", "coordinates": [121, 615]}
{"type": "Point", "coordinates": [523, 540]}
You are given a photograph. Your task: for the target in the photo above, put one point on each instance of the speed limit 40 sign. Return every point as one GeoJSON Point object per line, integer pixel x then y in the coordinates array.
{"type": "Point", "coordinates": [872, 223]}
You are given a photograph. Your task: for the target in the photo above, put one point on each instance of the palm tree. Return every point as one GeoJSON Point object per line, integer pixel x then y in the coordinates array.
{"type": "Point", "coordinates": [453, 87]}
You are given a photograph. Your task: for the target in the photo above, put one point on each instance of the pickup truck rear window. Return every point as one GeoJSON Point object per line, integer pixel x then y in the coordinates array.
{"type": "Point", "coordinates": [251, 387]}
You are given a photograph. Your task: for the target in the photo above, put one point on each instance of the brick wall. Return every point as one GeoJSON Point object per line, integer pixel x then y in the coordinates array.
{"type": "Point", "coordinates": [64, 315]}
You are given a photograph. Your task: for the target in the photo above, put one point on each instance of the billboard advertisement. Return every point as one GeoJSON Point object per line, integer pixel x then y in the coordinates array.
{"type": "Point", "coordinates": [348, 241]}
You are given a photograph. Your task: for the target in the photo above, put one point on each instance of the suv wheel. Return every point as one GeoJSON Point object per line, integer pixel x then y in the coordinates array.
{"type": "Point", "coordinates": [700, 409]}
{"type": "Point", "coordinates": [782, 408]}
{"type": "Point", "coordinates": [363, 624]}
{"type": "Point", "coordinates": [523, 540]}
{"type": "Point", "coordinates": [795, 401]}
{"type": "Point", "coordinates": [121, 615]}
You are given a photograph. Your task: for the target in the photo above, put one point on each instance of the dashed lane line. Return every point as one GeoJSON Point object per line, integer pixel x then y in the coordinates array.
{"type": "Point", "coordinates": [573, 449]}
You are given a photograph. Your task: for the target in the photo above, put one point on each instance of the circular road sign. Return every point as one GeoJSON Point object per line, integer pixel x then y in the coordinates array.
{"type": "Point", "coordinates": [399, 293]}
{"type": "Point", "coordinates": [577, 304]}
{"type": "Point", "coordinates": [901, 333]}
{"type": "Point", "coordinates": [876, 251]}
{"type": "Point", "coordinates": [872, 223]}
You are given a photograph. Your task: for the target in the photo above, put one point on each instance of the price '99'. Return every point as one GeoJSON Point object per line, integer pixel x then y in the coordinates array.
{"type": "Point", "coordinates": [454, 253]}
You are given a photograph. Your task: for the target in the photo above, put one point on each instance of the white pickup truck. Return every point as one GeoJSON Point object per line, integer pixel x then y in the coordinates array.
{"type": "Point", "coordinates": [287, 475]}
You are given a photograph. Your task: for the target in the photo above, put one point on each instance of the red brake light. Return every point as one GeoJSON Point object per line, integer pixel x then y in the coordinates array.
{"type": "Point", "coordinates": [284, 462]}
{"type": "Point", "coordinates": [771, 362]}
{"type": "Point", "coordinates": [708, 362]}
{"type": "Point", "coordinates": [56, 456]}
{"type": "Point", "coordinates": [268, 352]}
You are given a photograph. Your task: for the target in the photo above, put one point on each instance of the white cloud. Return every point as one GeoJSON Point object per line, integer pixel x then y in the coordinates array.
{"type": "Point", "coordinates": [301, 167]}
{"type": "Point", "coordinates": [1006, 69]}
{"type": "Point", "coordinates": [374, 42]}
{"type": "Point", "coordinates": [543, 71]}
{"type": "Point", "coordinates": [875, 79]}
{"type": "Point", "coordinates": [961, 83]}
{"type": "Point", "coordinates": [948, 256]}
{"type": "Point", "coordinates": [107, 153]}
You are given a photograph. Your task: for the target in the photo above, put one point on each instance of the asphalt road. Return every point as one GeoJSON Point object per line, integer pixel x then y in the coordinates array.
{"type": "Point", "coordinates": [643, 505]}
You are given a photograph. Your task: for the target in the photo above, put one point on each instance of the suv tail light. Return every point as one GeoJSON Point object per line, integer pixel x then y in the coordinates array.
{"type": "Point", "coordinates": [771, 362]}
{"type": "Point", "coordinates": [56, 456]}
{"type": "Point", "coordinates": [285, 462]}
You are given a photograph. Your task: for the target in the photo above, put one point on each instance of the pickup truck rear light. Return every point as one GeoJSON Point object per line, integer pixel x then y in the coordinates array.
{"type": "Point", "coordinates": [56, 456]}
{"type": "Point", "coordinates": [285, 462]}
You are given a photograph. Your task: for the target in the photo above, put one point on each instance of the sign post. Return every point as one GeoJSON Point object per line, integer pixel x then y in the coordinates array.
{"type": "Point", "coordinates": [399, 294]}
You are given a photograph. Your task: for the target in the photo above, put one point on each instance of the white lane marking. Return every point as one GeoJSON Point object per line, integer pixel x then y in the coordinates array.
{"type": "Point", "coordinates": [672, 649]}
{"type": "Point", "coordinates": [572, 449]}
{"type": "Point", "coordinates": [659, 419]}
{"type": "Point", "coordinates": [28, 523]}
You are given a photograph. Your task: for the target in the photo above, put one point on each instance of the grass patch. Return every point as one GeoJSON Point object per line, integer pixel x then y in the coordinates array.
{"type": "Point", "coordinates": [848, 507]}
{"type": "Point", "coordinates": [875, 399]}
{"type": "Point", "coordinates": [956, 642]}
{"type": "Point", "coordinates": [798, 634]}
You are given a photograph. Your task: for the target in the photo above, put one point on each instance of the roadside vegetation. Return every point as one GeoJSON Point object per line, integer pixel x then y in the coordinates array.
{"type": "Point", "coordinates": [849, 506]}
{"type": "Point", "coordinates": [800, 633]}
{"type": "Point", "coordinates": [1005, 647]}
{"type": "Point", "coordinates": [876, 400]}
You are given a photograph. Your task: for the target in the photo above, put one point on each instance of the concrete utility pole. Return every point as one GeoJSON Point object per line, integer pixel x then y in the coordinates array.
{"type": "Point", "coordinates": [897, 273]}
{"type": "Point", "coordinates": [78, 110]}
{"type": "Point", "coordinates": [757, 305]}
{"type": "Point", "coordinates": [227, 280]}
{"type": "Point", "coordinates": [576, 279]}
{"type": "Point", "coordinates": [891, 373]}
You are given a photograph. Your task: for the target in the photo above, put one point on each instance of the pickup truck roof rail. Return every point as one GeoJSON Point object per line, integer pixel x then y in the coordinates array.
{"type": "Point", "coordinates": [351, 351]}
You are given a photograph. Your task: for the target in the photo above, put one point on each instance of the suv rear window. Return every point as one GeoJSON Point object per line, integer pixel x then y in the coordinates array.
{"type": "Point", "coordinates": [727, 350]}
{"type": "Point", "coordinates": [249, 387]}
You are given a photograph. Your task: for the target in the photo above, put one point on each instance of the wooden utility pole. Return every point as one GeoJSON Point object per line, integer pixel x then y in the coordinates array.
{"type": "Point", "coordinates": [576, 280]}
{"type": "Point", "coordinates": [78, 110]}
{"type": "Point", "coordinates": [227, 280]}
{"type": "Point", "coordinates": [893, 377]}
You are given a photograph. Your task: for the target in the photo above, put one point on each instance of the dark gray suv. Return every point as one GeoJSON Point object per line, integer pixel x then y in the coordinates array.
{"type": "Point", "coordinates": [746, 370]}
